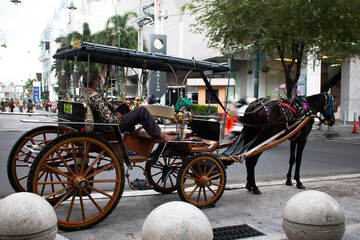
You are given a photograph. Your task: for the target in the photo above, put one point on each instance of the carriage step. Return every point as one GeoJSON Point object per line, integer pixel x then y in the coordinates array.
{"type": "Point", "coordinates": [235, 232]}
{"type": "Point", "coordinates": [33, 148]}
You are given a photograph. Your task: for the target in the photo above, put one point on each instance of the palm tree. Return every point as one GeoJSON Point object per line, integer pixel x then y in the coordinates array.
{"type": "Point", "coordinates": [29, 86]}
{"type": "Point", "coordinates": [65, 68]}
{"type": "Point", "coordinates": [119, 33]}
{"type": "Point", "coordinates": [116, 25]}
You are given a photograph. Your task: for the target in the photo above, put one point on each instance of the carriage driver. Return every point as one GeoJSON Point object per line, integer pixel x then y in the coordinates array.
{"type": "Point", "coordinates": [127, 120]}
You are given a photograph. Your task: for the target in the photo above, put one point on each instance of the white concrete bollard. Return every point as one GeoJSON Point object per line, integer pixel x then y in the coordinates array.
{"type": "Point", "coordinates": [176, 220]}
{"type": "Point", "coordinates": [27, 216]}
{"type": "Point", "coordinates": [313, 215]}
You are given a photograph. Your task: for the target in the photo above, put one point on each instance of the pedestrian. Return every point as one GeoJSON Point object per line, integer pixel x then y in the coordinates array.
{"type": "Point", "coordinates": [2, 105]}
{"type": "Point", "coordinates": [21, 105]}
{"type": "Point", "coordinates": [12, 105]}
{"type": "Point", "coordinates": [103, 114]}
{"type": "Point", "coordinates": [7, 105]}
{"type": "Point", "coordinates": [30, 106]}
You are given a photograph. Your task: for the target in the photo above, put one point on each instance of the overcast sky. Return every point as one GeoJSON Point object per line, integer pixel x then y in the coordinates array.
{"type": "Point", "coordinates": [22, 25]}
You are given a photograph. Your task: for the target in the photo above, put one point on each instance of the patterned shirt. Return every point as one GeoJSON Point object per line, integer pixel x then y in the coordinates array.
{"type": "Point", "coordinates": [99, 108]}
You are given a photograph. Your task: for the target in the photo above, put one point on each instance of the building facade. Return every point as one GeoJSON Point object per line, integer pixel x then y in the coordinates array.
{"type": "Point", "coordinates": [164, 17]}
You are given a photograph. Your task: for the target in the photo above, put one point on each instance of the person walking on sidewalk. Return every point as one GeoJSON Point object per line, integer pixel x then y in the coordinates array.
{"type": "Point", "coordinates": [21, 105]}
{"type": "Point", "coordinates": [12, 105]}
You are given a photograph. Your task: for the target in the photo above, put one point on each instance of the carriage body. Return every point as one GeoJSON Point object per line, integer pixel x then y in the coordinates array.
{"type": "Point", "coordinates": [77, 166]}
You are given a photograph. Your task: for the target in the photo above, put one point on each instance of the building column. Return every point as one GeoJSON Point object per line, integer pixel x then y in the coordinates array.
{"type": "Point", "coordinates": [313, 76]}
{"type": "Point", "coordinates": [350, 89]}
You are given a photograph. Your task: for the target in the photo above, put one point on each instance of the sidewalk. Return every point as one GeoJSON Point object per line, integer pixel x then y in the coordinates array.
{"type": "Point", "coordinates": [237, 206]}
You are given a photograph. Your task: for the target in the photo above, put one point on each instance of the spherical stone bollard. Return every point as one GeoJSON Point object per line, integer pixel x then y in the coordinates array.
{"type": "Point", "coordinates": [176, 220]}
{"type": "Point", "coordinates": [313, 215]}
{"type": "Point", "coordinates": [27, 216]}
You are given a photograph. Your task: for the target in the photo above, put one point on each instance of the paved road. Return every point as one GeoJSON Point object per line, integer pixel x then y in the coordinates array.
{"type": "Point", "coordinates": [322, 156]}
{"type": "Point", "coordinates": [324, 164]}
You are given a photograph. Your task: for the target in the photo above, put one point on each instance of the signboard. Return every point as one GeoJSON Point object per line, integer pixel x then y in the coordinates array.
{"type": "Point", "coordinates": [301, 85]}
{"type": "Point", "coordinates": [36, 93]}
{"type": "Point", "coordinates": [157, 81]}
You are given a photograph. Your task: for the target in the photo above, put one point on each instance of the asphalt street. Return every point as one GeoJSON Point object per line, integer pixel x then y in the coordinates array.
{"type": "Point", "coordinates": [237, 206]}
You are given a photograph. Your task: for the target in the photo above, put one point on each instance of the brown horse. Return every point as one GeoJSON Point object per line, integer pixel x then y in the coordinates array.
{"type": "Point", "coordinates": [265, 118]}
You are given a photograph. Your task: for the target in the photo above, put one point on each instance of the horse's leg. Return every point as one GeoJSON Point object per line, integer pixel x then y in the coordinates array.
{"type": "Point", "coordinates": [299, 152]}
{"type": "Point", "coordinates": [291, 162]}
{"type": "Point", "coordinates": [250, 169]}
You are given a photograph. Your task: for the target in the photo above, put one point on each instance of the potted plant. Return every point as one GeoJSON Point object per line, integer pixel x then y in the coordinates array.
{"type": "Point", "coordinates": [264, 68]}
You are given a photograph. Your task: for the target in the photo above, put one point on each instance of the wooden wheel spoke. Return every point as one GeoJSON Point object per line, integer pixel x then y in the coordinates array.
{"type": "Point", "coordinates": [155, 174]}
{"type": "Point", "coordinates": [74, 157]}
{"type": "Point", "coordinates": [190, 168]}
{"type": "Point", "coordinates": [64, 161]}
{"type": "Point", "coordinates": [59, 191]}
{"type": "Point", "coordinates": [188, 176]}
{"type": "Point", "coordinates": [23, 177]}
{"type": "Point", "coordinates": [209, 172]}
{"type": "Point", "coordinates": [204, 191]}
{"type": "Point", "coordinates": [105, 167]}
{"type": "Point", "coordinates": [82, 205]}
{"type": "Point", "coordinates": [103, 180]}
{"type": "Point", "coordinates": [56, 170]}
{"type": "Point", "coordinates": [199, 194]}
{"type": "Point", "coordinates": [22, 165]}
{"type": "Point", "coordinates": [53, 182]}
{"type": "Point", "coordinates": [71, 205]}
{"type": "Point", "coordinates": [93, 200]}
{"type": "Point", "coordinates": [102, 192]}
{"type": "Point", "coordinates": [199, 168]}
{"type": "Point", "coordinates": [211, 190]}
{"type": "Point", "coordinates": [86, 153]}
{"type": "Point", "coordinates": [94, 162]}
{"type": "Point", "coordinates": [215, 176]}
{"type": "Point", "coordinates": [43, 186]}
{"type": "Point", "coordinates": [193, 191]}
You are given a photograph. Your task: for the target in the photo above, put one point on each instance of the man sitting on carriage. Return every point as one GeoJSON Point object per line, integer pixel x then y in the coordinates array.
{"type": "Point", "coordinates": [103, 114]}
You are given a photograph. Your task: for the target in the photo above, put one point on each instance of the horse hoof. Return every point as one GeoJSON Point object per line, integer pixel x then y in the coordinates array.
{"type": "Point", "coordinates": [300, 186]}
{"type": "Point", "coordinates": [256, 191]}
{"type": "Point", "coordinates": [288, 183]}
{"type": "Point", "coordinates": [248, 187]}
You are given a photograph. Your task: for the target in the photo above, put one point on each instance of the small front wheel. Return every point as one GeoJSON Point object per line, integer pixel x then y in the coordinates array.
{"type": "Point", "coordinates": [201, 180]}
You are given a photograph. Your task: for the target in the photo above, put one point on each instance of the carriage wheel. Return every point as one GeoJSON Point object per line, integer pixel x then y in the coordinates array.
{"type": "Point", "coordinates": [84, 172]}
{"type": "Point", "coordinates": [20, 158]}
{"type": "Point", "coordinates": [201, 180]}
{"type": "Point", "coordinates": [163, 174]}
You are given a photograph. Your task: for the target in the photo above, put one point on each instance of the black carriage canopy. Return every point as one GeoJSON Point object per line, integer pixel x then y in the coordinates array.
{"type": "Point", "coordinates": [103, 54]}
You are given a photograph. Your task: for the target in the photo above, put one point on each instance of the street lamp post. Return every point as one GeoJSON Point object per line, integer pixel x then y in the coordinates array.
{"type": "Point", "coordinates": [2, 39]}
{"type": "Point", "coordinates": [15, 1]}
{"type": "Point", "coordinates": [118, 32]}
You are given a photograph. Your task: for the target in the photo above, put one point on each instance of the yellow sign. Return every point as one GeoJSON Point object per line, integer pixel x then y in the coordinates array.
{"type": "Point", "coordinates": [67, 108]}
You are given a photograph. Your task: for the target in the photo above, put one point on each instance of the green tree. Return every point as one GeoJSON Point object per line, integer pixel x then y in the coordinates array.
{"type": "Point", "coordinates": [63, 69]}
{"type": "Point", "coordinates": [109, 35]}
{"type": "Point", "coordinates": [115, 26]}
{"type": "Point", "coordinates": [28, 87]}
{"type": "Point", "coordinates": [285, 29]}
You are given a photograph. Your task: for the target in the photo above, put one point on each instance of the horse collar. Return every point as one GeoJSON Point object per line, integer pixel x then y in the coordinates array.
{"type": "Point", "coordinates": [329, 104]}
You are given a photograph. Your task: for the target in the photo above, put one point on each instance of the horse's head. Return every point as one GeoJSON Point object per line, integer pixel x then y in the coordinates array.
{"type": "Point", "coordinates": [329, 109]}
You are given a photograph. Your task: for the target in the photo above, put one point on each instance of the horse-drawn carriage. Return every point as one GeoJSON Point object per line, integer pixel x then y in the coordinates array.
{"type": "Point", "coordinates": [81, 172]}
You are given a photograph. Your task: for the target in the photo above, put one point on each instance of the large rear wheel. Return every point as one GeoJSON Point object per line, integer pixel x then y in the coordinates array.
{"type": "Point", "coordinates": [21, 158]}
{"type": "Point", "coordinates": [84, 173]}
{"type": "Point", "coordinates": [201, 180]}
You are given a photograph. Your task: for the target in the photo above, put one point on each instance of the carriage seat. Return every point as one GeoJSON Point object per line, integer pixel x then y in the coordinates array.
{"type": "Point", "coordinates": [76, 112]}
{"type": "Point", "coordinates": [164, 112]}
